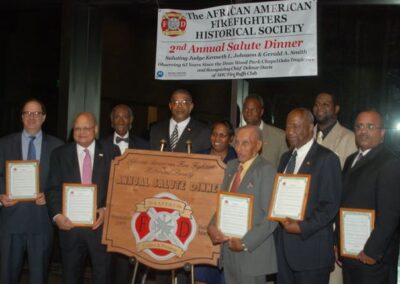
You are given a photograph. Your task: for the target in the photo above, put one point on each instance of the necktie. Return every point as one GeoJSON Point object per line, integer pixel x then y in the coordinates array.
{"type": "Point", "coordinates": [31, 149]}
{"type": "Point", "coordinates": [320, 137]}
{"type": "Point", "coordinates": [174, 138]}
{"type": "Point", "coordinates": [87, 168]}
{"type": "Point", "coordinates": [291, 165]}
{"type": "Point", "coordinates": [119, 139]}
{"type": "Point", "coordinates": [357, 159]}
{"type": "Point", "coordinates": [236, 181]}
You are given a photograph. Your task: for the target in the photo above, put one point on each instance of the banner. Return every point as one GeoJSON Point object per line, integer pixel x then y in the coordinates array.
{"type": "Point", "coordinates": [251, 40]}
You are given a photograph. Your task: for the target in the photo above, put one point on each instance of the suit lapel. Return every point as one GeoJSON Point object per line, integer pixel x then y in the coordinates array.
{"type": "Point", "coordinates": [97, 163]}
{"type": "Point", "coordinates": [186, 135]}
{"type": "Point", "coordinates": [18, 146]}
{"type": "Point", "coordinates": [309, 159]}
{"type": "Point", "coordinates": [247, 184]}
{"type": "Point", "coordinates": [72, 160]}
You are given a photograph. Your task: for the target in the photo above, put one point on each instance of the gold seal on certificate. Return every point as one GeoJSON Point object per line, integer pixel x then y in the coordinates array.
{"type": "Point", "coordinates": [355, 228]}
{"type": "Point", "coordinates": [22, 180]}
{"type": "Point", "coordinates": [289, 198]}
{"type": "Point", "coordinates": [80, 203]}
{"type": "Point", "coordinates": [234, 213]}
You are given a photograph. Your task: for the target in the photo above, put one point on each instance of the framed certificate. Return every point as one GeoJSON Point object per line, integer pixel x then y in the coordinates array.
{"type": "Point", "coordinates": [80, 203]}
{"type": "Point", "coordinates": [355, 228]}
{"type": "Point", "coordinates": [234, 213]}
{"type": "Point", "coordinates": [22, 180]}
{"type": "Point", "coordinates": [289, 197]}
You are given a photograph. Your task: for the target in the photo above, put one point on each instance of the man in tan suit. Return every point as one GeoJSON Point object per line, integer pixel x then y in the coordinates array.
{"type": "Point", "coordinates": [328, 131]}
{"type": "Point", "coordinates": [274, 139]}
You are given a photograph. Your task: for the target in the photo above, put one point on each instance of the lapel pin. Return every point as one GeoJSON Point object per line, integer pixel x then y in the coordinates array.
{"type": "Point", "coordinates": [189, 129]}
{"type": "Point", "coordinates": [101, 155]}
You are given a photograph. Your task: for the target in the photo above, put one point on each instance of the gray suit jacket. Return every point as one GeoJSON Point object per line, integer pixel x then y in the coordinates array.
{"type": "Point", "coordinates": [340, 140]}
{"type": "Point", "coordinates": [25, 217]}
{"type": "Point", "coordinates": [274, 144]}
{"type": "Point", "coordinates": [260, 259]}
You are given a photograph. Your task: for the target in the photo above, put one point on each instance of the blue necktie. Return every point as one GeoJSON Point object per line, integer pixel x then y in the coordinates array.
{"type": "Point", "coordinates": [31, 149]}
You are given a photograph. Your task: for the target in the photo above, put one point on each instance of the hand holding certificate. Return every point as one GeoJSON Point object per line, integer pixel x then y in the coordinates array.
{"type": "Point", "coordinates": [234, 213]}
{"type": "Point", "coordinates": [289, 198]}
{"type": "Point", "coordinates": [355, 228]}
{"type": "Point", "coordinates": [22, 180]}
{"type": "Point", "coordinates": [79, 203]}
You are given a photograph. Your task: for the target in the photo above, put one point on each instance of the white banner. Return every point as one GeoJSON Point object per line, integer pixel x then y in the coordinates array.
{"type": "Point", "coordinates": [252, 40]}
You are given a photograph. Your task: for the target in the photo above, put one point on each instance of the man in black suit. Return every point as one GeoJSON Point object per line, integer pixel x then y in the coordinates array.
{"type": "Point", "coordinates": [121, 121]}
{"type": "Point", "coordinates": [181, 128]}
{"type": "Point", "coordinates": [67, 165]}
{"type": "Point", "coordinates": [25, 227]}
{"type": "Point", "coordinates": [305, 248]}
{"type": "Point", "coordinates": [371, 181]}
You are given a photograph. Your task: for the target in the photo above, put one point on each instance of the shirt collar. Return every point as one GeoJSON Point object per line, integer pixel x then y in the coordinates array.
{"type": "Point", "coordinates": [80, 148]}
{"type": "Point", "coordinates": [305, 148]}
{"type": "Point", "coordinates": [27, 135]}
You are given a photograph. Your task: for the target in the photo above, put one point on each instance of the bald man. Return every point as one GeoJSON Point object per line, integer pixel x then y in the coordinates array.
{"type": "Point", "coordinates": [66, 166]}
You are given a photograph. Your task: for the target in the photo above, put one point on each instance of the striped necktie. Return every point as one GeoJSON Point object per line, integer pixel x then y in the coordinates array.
{"type": "Point", "coordinates": [173, 140]}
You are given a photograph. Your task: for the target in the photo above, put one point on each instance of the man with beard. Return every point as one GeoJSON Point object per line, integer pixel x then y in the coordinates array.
{"type": "Point", "coordinates": [328, 131]}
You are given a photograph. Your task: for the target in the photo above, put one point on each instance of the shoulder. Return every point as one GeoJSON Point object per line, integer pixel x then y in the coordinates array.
{"type": "Point", "coordinates": [273, 130]}
{"type": "Point", "coordinates": [64, 149]}
{"type": "Point", "coordinates": [344, 132]}
{"type": "Point", "coordinates": [53, 140]}
{"type": "Point", "coordinates": [139, 143]}
{"type": "Point", "coordinates": [197, 124]}
{"type": "Point", "coordinates": [10, 138]}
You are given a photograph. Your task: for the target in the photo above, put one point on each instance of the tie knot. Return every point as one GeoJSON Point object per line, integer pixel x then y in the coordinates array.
{"type": "Point", "coordinates": [240, 168]}
{"type": "Point", "coordinates": [294, 154]}
{"type": "Point", "coordinates": [32, 137]}
{"type": "Point", "coordinates": [86, 150]}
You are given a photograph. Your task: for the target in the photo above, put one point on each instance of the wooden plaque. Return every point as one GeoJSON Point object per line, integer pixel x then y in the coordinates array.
{"type": "Point", "coordinates": [159, 205]}
{"type": "Point", "coordinates": [26, 181]}
{"type": "Point", "coordinates": [289, 197]}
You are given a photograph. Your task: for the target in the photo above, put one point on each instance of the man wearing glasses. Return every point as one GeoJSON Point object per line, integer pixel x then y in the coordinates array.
{"type": "Point", "coordinates": [370, 181]}
{"type": "Point", "coordinates": [181, 131]}
{"type": "Point", "coordinates": [25, 227]}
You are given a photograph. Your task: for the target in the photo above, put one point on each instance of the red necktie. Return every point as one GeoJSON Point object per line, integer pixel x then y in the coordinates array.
{"type": "Point", "coordinates": [236, 181]}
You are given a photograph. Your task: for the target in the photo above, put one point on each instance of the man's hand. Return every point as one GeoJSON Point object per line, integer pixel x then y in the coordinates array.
{"type": "Point", "coordinates": [216, 236]}
{"type": "Point", "coordinates": [63, 223]}
{"type": "Point", "coordinates": [291, 226]}
{"type": "Point", "coordinates": [40, 199]}
{"type": "Point", "coordinates": [365, 258]}
{"type": "Point", "coordinates": [235, 244]}
{"type": "Point", "coordinates": [100, 218]}
{"type": "Point", "coordinates": [6, 201]}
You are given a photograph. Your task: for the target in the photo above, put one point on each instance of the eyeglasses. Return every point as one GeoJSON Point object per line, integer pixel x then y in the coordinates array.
{"type": "Point", "coordinates": [368, 126]}
{"type": "Point", "coordinates": [83, 129]}
{"type": "Point", "coordinates": [181, 102]}
{"type": "Point", "coordinates": [34, 114]}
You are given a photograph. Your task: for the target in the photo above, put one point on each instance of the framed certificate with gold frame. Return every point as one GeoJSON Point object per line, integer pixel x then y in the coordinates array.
{"type": "Point", "coordinates": [289, 197]}
{"type": "Point", "coordinates": [80, 203]}
{"type": "Point", "coordinates": [356, 226]}
{"type": "Point", "coordinates": [234, 213]}
{"type": "Point", "coordinates": [22, 179]}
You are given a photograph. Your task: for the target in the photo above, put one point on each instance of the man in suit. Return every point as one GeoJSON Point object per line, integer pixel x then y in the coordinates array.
{"type": "Point", "coordinates": [25, 227]}
{"type": "Point", "coordinates": [250, 258]}
{"type": "Point", "coordinates": [83, 161]}
{"type": "Point", "coordinates": [181, 128]}
{"type": "Point", "coordinates": [121, 121]}
{"type": "Point", "coordinates": [328, 131]}
{"type": "Point", "coordinates": [274, 140]}
{"type": "Point", "coordinates": [371, 181]}
{"type": "Point", "coordinates": [305, 248]}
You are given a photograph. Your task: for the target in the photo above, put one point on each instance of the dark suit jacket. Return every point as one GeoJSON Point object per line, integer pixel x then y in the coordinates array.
{"type": "Point", "coordinates": [25, 217]}
{"type": "Point", "coordinates": [64, 168]}
{"type": "Point", "coordinates": [313, 248]}
{"type": "Point", "coordinates": [135, 142]}
{"type": "Point", "coordinates": [373, 183]}
{"type": "Point", "coordinates": [195, 131]}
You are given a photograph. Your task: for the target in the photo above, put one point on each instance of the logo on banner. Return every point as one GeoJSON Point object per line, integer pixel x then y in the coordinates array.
{"type": "Point", "coordinates": [163, 226]}
{"type": "Point", "coordinates": [173, 24]}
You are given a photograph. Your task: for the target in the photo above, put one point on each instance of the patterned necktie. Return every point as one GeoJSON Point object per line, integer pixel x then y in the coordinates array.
{"type": "Point", "coordinates": [174, 138]}
{"type": "Point", "coordinates": [320, 137]}
{"type": "Point", "coordinates": [87, 168]}
{"type": "Point", "coordinates": [119, 139]}
{"type": "Point", "coordinates": [291, 165]}
{"type": "Point", "coordinates": [237, 180]}
{"type": "Point", "coordinates": [31, 149]}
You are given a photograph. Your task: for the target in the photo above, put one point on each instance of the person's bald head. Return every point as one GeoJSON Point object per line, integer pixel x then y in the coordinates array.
{"type": "Point", "coordinates": [299, 127]}
{"type": "Point", "coordinates": [85, 129]}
